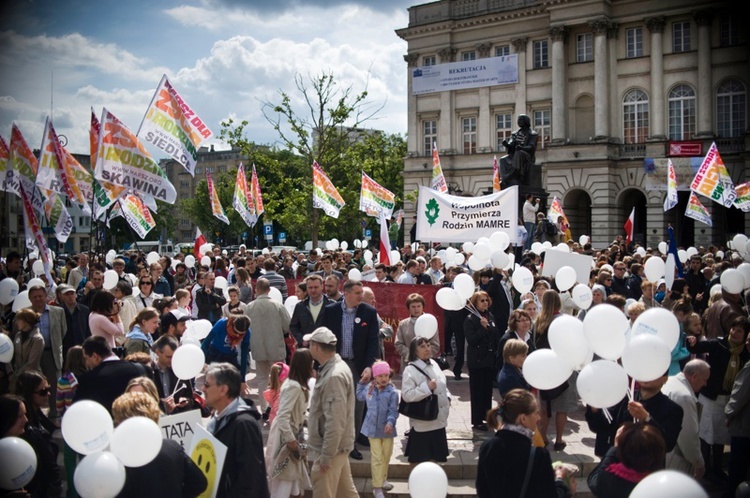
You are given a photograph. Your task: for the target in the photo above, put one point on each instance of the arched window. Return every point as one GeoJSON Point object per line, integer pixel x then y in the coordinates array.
{"type": "Point", "coordinates": [635, 117]}
{"type": "Point", "coordinates": [681, 113]}
{"type": "Point", "coordinates": [731, 109]}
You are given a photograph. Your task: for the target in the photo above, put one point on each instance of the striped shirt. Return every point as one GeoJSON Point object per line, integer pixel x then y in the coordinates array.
{"type": "Point", "coordinates": [347, 331]}
{"type": "Point", "coordinates": [277, 281]}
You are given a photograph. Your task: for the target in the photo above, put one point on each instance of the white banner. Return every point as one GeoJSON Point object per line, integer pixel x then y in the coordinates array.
{"type": "Point", "coordinates": [180, 427]}
{"type": "Point", "coordinates": [554, 260]}
{"type": "Point", "coordinates": [465, 74]}
{"type": "Point", "coordinates": [450, 218]}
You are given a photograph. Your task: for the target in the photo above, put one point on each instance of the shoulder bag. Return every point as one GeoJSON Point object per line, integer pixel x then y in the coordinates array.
{"type": "Point", "coordinates": [424, 409]}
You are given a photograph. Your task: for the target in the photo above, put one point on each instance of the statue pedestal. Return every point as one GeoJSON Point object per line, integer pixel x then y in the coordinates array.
{"type": "Point", "coordinates": [533, 186]}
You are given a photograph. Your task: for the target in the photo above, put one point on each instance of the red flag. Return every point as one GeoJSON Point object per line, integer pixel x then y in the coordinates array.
{"type": "Point", "coordinates": [629, 227]}
{"type": "Point", "coordinates": [384, 254]}
{"type": "Point", "coordinates": [199, 241]}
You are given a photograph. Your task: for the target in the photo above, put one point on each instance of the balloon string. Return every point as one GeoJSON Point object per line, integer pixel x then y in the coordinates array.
{"type": "Point", "coordinates": [607, 415]}
{"type": "Point", "coordinates": [631, 391]}
{"type": "Point", "coordinates": [473, 310]}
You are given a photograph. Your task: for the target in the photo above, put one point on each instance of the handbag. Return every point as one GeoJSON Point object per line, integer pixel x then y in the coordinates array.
{"type": "Point", "coordinates": [550, 394]}
{"type": "Point", "coordinates": [442, 362]}
{"type": "Point", "coordinates": [424, 409]}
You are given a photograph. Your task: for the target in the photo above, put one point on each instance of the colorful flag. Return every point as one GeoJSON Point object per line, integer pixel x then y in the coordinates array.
{"type": "Point", "coordinates": [80, 180]}
{"type": "Point", "coordinates": [137, 215]}
{"type": "Point", "coordinates": [325, 195]}
{"type": "Point", "coordinates": [555, 211]}
{"type": "Point", "coordinates": [50, 174]}
{"type": "Point", "coordinates": [173, 127]}
{"type": "Point", "coordinates": [257, 194]}
{"type": "Point", "coordinates": [712, 179]}
{"type": "Point", "coordinates": [399, 217]}
{"type": "Point", "coordinates": [384, 253]}
{"type": "Point", "coordinates": [58, 217]}
{"type": "Point", "coordinates": [200, 239]}
{"type": "Point", "coordinates": [438, 180]}
{"type": "Point", "coordinates": [743, 197]}
{"type": "Point", "coordinates": [213, 195]}
{"type": "Point", "coordinates": [33, 233]}
{"type": "Point", "coordinates": [123, 160]}
{"type": "Point", "coordinates": [4, 157]}
{"type": "Point", "coordinates": [629, 225]}
{"type": "Point", "coordinates": [21, 171]}
{"type": "Point", "coordinates": [374, 198]}
{"type": "Point", "coordinates": [671, 200]}
{"type": "Point", "coordinates": [697, 211]}
{"type": "Point", "coordinates": [243, 201]}
{"type": "Point", "coordinates": [496, 182]}
{"type": "Point", "coordinates": [104, 194]}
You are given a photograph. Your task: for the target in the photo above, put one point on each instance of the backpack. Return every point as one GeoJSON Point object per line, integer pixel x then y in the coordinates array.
{"type": "Point", "coordinates": [549, 227]}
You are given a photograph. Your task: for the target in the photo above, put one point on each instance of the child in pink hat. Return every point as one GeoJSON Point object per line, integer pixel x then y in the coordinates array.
{"type": "Point", "coordinates": [278, 374]}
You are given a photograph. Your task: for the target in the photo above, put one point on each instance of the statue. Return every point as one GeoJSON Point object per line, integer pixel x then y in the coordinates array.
{"type": "Point", "coordinates": [515, 166]}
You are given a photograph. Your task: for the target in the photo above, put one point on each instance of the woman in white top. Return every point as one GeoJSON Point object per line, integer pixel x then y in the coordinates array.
{"type": "Point", "coordinates": [146, 295]}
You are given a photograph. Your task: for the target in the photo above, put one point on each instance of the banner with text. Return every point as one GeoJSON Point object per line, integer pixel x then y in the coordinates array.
{"type": "Point", "coordinates": [180, 427]}
{"type": "Point", "coordinates": [257, 194]}
{"type": "Point", "coordinates": [21, 172]}
{"type": "Point", "coordinates": [712, 179]}
{"type": "Point", "coordinates": [213, 196]}
{"type": "Point", "coordinates": [743, 197]}
{"type": "Point", "coordinates": [697, 211]}
{"type": "Point", "coordinates": [4, 156]}
{"type": "Point", "coordinates": [137, 215]}
{"type": "Point", "coordinates": [490, 71]}
{"type": "Point", "coordinates": [450, 218]}
{"type": "Point", "coordinates": [58, 217]}
{"type": "Point", "coordinates": [657, 172]}
{"type": "Point", "coordinates": [123, 160]}
{"type": "Point", "coordinates": [325, 195]}
{"type": "Point", "coordinates": [243, 201]}
{"type": "Point", "coordinates": [374, 198]}
{"type": "Point", "coordinates": [173, 127]}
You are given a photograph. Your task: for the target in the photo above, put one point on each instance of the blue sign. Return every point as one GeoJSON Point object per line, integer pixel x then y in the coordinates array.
{"type": "Point", "coordinates": [244, 235]}
{"type": "Point", "coordinates": [282, 237]}
{"type": "Point", "coordinates": [267, 229]}
{"type": "Point", "coordinates": [368, 234]}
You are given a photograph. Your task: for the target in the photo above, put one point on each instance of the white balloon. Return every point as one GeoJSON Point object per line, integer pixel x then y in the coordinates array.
{"type": "Point", "coordinates": [8, 290]}
{"type": "Point", "coordinates": [602, 383]}
{"type": "Point", "coordinates": [334, 244]}
{"type": "Point", "coordinates": [344, 245]}
{"type": "Point", "coordinates": [355, 274]}
{"type": "Point", "coordinates": [605, 327]}
{"type": "Point", "coordinates": [720, 254]}
{"type": "Point", "coordinates": [691, 251]}
{"type": "Point", "coordinates": [482, 251]}
{"type": "Point", "coordinates": [6, 348]}
{"type": "Point", "coordinates": [459, 259]}
{"type": "Point", "coordinates": [428, 480]}
{"type": "Point", "coordinates": [34, 282]}
{"type": "Point", "coordinates": [663, 247]}
{"type": "Point", "coordinates": [582, 296]}
{"type": "Point", "coordinates": [206, 261]}
{"type": "Point", "coordinates": [744, 269]}
{"type": "Point", "coordinates": [100, 475]}
{"type": "Point", "coordinates": [565, 278]}
{"type": "Point", "coordinates": [668, 483]}
{"type": "Point", "coordinates": [110, 279]}
{"type": "Point", "coordinates": [357, 243]}
{"type": "Point", "coordinates": [21, 301]}
{"type": "Point", "coordinates": [136, 441]}
{"type": "Point", "coordinates": [544, 369]}
{"type": "Point", "coordinates": [199, 328]}
{"type": "Point", "coordinates": [132, 278]}
{"type": "Point", "coordinates": [221, 282]}
{"type": "Point", "coordinates": [511, 261]}
{"type": "Point", "coordinates": [190, 261]}
{"type": "Point", "coordinates": [467, 246]}
{"type": "Point", "coordinates": [654, 268]}
{"type": "Point", "coordinates": [448, 299]}
{"type": "Point", "coordinates": [659, 322]}
{"type": "Point", "coordinates": [731, 280]}
{"type": "Point", "coordinates": [189, 339]}
{"type": "Point", "coordinates": [499, 241]}
{"type": "Point", "coordinates": [451, 252]}
{"type": "Point", "coordinates": [368, 254]}
{"type": "Point", "coordinates": [109, 257]}
{"type": "Point", "coordinates": [547, 244]}
{"type": "Point", "coordinates": [395, 257]}
{"type": "Point", "coordinates": [87, 427]}
{"type": "Point", "coordinates": [483, 240]}
{"type": "Point", "coordinates": [682, 255]}
{"type": "Point", "coordinates": [739, 242]}
{"type": "Point", "coordinates": [38, 267]}
{"type": "Point", "coordinates": [641, 251]}
{"type": "Point", "coordinates": [188, 361]}
{"type": "Point", "coordinates": [17, 463]}
{"type": "Point", "coordinates": [499, 259]}
{"type": "Point", "coordinates": [426, 326]}
{"type": "Point", "coordinates": [562, 247]}
{"type": "Point", "coordinates": [275, 295]}
{"type": "Point", "coordinates": [567, 340]}
{"type": "Point", "coordinates": [290, 304]}
{"type": "Point", "coordinates": [476, 264]}
{"type": "Point", "coordinates": [646, 357]}
{"type": "Point", "coordinates": [365, 242]}
{"type": "Point", "coordinates": [152, 257]}
{"type": "Point", "coordinates": [583, 240]}
{"type": "Point", "coordinates": [206, 249]}
{"type": "Point", "coordinates": [669, 271]}
{"type": "Point", "coordinates": [522, 280]}
{"type": "Point", "coordinates": [464, 285]}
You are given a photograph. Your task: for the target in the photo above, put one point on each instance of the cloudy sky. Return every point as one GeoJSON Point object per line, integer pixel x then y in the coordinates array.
{"type": "Point", "coordinates": [63, 57]}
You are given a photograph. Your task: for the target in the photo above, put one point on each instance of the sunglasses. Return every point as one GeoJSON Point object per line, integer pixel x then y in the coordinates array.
{"type": "Point", "coordinates": [146, 283]}
{"type": "Point", "coordinates": [43, 392]}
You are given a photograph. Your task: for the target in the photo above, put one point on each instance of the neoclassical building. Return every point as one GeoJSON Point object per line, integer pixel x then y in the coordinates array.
{"type": "Point", "coordinates": [613, 87]}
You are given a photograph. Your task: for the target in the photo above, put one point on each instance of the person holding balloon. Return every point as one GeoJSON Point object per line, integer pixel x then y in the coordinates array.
{"type": "Point", "coordinates": [15, 480]}
{"type": "Point", "coordinates": [406, 331]}
{"type": "Point", "coordinates": [483, 338]}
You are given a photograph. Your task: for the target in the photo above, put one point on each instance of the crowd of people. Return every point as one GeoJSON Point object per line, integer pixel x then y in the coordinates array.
{"type": "Point", "coordinates": [324, 390]}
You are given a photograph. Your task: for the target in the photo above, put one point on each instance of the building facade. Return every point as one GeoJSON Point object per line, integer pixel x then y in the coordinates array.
{"type": "Point", "coordinates": [612, 87]}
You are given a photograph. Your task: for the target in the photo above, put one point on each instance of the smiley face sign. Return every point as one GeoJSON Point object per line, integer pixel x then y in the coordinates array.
{"type": "Point", "coordinates": [208, 453]}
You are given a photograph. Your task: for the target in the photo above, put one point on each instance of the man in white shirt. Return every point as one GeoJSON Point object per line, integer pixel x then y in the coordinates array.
{"type": "Point", "coordinates": [410, 275]}
{"type": "Point", "coordinates": [529, 218]}
{"type": "Point", "coordinates": [434, 271]}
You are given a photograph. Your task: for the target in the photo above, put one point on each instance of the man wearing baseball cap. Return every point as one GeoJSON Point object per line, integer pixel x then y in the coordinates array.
{"type": "Point", "coordinates": [332, 415]}
{"type": "Point", "coordinates": [174, 323]}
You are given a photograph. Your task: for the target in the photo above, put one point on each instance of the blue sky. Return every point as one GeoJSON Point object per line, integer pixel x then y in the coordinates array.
{"type": "Point", "coordinates": [224, 57]}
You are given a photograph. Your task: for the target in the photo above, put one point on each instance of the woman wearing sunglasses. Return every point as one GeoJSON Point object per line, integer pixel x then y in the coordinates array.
{"type": "Point", "coordinates": [146, 295]}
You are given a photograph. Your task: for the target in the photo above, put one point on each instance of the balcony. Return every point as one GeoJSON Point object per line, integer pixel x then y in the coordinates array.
{"type": "Point", "coordinates": [446, 10]}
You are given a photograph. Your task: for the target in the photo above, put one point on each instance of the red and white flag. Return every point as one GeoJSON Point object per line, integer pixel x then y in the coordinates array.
{"type": "Point", "coordinates": [384, 253]}
{"type": "Point", "coordinates": [200, 239]}
{"type": "Point", "coordinates": [629, 227]}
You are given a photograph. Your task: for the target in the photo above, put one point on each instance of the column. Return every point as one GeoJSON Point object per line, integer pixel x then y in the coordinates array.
{"type": "Point", "coordinates": [614, 99]}
{"type": "Point", "coordinates": [446, 135]}
{"type": "Point", "coordinates": [412, 141]}
{"type": "Point", "coordinates": [656, 100]}
{"type": "Point", "coordinates": [519, 46]}
{"type": "Point", "coordinates": [705, 128]}
{"type": "Point", "coordinates": [601, 78]}
{"type": "Point", "coordinates": [484, 120]}
{"type": "Point", "coordinates": [559, 35]}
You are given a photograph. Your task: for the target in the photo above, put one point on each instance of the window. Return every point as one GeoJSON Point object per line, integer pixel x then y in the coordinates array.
{"type": "Point", "coordinates": [184, 223]}
{"type": "Point", "coordinates": [222, 168]}
{"type": "Point", "coordinates": [681, 36]}
{"type": "Point", "coordinates": [729, 30]}
{"type": "Point", "coordinates": [731, 109]}
{"type": "Point", "coordinates": [634, 42]}
{"type": "Point", "coordinates": [681, 113]}
{"type": "Point", "coordinates": [429, 60]}
{"type": "Point", "coordinates": [198, 170]}
{"type": "Point", "coordinates": [469, 134]}
{"type": "Point", "coordinates": [541, 54]}
{"type": "Point", "coordinates": [429, 132]}
{"type": "Point", "coordinates": [187, 234]}
{"type": "Point", "coordinates": [585, 47]}
{"type": "Point", "coordinates": [503, 129]}
{"type": "Point", "coordinates": [470, 55]}
{"type": "Point", "coordinates": [209, 169]}
{"type": "Point", "coordinates": [184, 184]}
{"type": "Point", "coordinates": [635, 117]}
{"type": "Point", "coordinates": [502, 50]}
{"type": "Point", "coordinates": [541, 125]}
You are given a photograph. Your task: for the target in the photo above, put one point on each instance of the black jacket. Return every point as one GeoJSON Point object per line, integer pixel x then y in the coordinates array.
{"type": "Point", "coordinates": [78, 326]}
{"type": "Point", "coordinates": [171, 473]}
{"type": "Point", "coordinates": [108, 381]}
{"type": "Point", "coordinates": [208, 303]}
{"type": "Point", "coordinates": [482, 342]}
{"type": "Point", "coordinates": [503, 460]}
{"type": "Point", "coordinates": [718, 357]}
{"type": "Point", "coordinates": [500, 306]}
{"type": "Point", "coordinates": [302, 321]}
{"type": "Point", "coordinates": [365, 342]}
{"type": "Point", "coordinates": [607, 484]}
{"type": "Point", "coordinates": [244, 472]}
{"type": "Point", "coordinates": [508, 335]}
